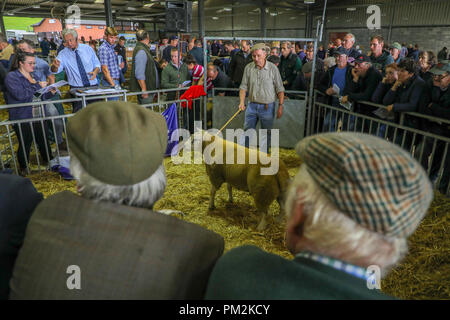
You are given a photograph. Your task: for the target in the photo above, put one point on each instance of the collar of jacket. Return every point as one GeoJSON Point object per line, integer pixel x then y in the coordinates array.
{"type": "Point", "coordinates": [410, 81]}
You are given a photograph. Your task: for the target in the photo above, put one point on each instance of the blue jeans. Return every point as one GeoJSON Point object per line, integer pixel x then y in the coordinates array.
{"type": "Point", "coordinates": [329, 123]}
{"type": "Point", "coordinates": [255, 112]}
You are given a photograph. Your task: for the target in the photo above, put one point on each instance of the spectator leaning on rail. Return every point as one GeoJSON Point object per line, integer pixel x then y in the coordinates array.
{"type": "Point", "coordinates": [341, 76]}
{"type": "Point", "coordinates": [109, 60]}
{"type": "Point", "coordinates": [439, 107]}
{"type": "Point", "coordinates": [365, 81]}
{"type": "Point", "coordinates": [144, 73]}
{"type": "Point", "coordinates": [378, 56]}
{"type": "Point", "coordinates": [6, 51]}
{"type": "Point", "coordinates": [80, 64]}
{"type": "Point", "coordinates": [263, 83]}
{"type": "Point", "coordinates": [21, 87]}
{"type": "Point", "coordinates": [240, 60]}
{"type": "Point", "coordinates": [18, 200]}
{"type": "Point", "coordinates": [290, 65]}
{"type": "Point", "coordinates": [351, 207]}
{"type": "Point", "coordinates": [122, 248]}
{"type": "Point", "coordinates": [219, 79]}
{"type": "Point", "coordinates": [407, 94]}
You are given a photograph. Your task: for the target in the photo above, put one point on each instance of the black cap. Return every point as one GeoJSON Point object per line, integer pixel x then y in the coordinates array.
{"type": "Point", "coordinates": [173, 38]}
{"type": "Point", "coordinates": [341, 51]}
{"type": "Point", "coordinates": [362, 58]}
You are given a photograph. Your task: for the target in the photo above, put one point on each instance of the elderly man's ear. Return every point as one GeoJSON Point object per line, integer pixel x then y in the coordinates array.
{"type": "Point", "coordinates": [295, 241]}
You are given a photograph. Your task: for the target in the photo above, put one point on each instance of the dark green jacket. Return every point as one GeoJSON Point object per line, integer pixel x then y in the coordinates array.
{"type": "Point", "coordinates": [171, 77]}
{"type": "Point", "coordinates": [150, 70]}
{"type": "Point", "coordinates": [289, 67]}
{"type": "Point", "coordinates": [250, 273]}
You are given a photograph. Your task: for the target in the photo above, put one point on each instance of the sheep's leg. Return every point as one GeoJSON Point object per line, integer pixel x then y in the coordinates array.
{"type": "Point", "coordinates": [230, 193]}
{"type": "Point", "coordinates": [281, 215]}
{"type": "Point", "coordinates": [211, 198]}
{"type": "Point", "coordinates": [263, 223]}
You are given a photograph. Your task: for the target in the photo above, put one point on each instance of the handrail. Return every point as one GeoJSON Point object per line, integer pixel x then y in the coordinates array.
{"type": "Point", "coordinates": [414, 114]}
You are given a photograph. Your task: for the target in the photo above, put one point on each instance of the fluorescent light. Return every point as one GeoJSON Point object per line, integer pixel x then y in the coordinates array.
{"type": "Point", "coordinates": [227, 9]}
{"type": "Point", "coordinates": [131, 8]}
{"type": "Point", "coordinates": [215, 18]}
{"type": "Point", "coordinates": [273, 14]}
{"type": "Point", "coordinates": [310, 1]}
{"type": "Point", "coordinates": [148, 5]}
{"type": "Point", "coordinates": [351, 9]}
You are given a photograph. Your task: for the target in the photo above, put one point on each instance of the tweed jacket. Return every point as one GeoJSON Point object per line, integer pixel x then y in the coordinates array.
{"type": "Point", "coordinates": [122, 252]}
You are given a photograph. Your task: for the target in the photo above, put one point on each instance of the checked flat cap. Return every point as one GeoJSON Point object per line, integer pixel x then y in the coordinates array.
{"type": "Point", "coordinates": [374, 182]}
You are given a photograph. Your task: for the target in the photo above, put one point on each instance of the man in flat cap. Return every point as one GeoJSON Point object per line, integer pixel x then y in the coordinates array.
{"type": "Point", "coordinates": [350, 209]}
{"type": "Point", "coordinates": [107, 243]}
{"type": "Point", "coordinates": [262, 81]}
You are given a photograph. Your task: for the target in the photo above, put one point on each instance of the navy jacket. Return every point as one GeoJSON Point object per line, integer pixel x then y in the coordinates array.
{"type": "Point", "coordinates": [18, 198]}
{"type": "Point", "coordinates": [408, 98]}
{"type": "Point", "coordinates": [20, 90]}
{"type": "Point", "coordinates": [380, 92]}
{"type": "Point", "coordinates": [364, 89]}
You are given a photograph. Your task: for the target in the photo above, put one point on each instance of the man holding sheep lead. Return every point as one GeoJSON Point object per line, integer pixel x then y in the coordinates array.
{"type": "Point", "coordinates": [262, 81]}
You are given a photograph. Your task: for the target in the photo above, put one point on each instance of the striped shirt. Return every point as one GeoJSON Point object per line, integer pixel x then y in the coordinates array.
{"type": "Point", "coordinates": [197, 72]}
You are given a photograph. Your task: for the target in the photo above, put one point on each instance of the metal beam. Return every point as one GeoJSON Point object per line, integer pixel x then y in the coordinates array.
{"type": "Point", "coordinates": [201, 18]}
{"type": "Point", "coordinates": [263, 20]}
{"type": "Point", "coordinates": [2, 25]}
{"type": "Point", "coordinates": [108, 12]}
{"type": "Point", "coordinates": [11, 12]}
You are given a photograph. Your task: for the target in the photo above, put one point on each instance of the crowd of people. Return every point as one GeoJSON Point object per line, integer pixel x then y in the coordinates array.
{"type": "Point", "coordinates": [335, 228]}
{"type": "Point", "coordinates": [402, 78]}
{"type": "Point", "coordinates": [107, 242]}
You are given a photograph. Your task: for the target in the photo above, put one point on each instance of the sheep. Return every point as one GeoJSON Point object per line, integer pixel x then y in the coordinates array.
{"type": "Point", "coordinates": [246, 177]}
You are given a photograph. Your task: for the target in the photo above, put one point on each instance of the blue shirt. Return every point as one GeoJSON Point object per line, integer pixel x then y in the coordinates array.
{"type": "Point", "coordinates": [41, 70]}
{"type": "Point", "coordinates": [69, 64]}
{"type": "Point", "coordinates": [339, 78]}
{"type": "Point", "coordinates": [140, 61]}
{"type": "Point", "coordinates": [108, 58]}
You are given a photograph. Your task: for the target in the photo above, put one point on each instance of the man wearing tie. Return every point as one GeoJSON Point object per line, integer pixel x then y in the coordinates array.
{"type": "Point", "coordinates": [80, 64]}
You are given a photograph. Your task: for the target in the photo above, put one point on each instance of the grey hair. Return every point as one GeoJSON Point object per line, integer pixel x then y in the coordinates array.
{"type": "Point", "coordinates": [143, 194]}
{"type": "Point", "coordinates": [352, 36]}
{"type": "Point", "coordinates": [73, 32]}
{"type": "Point", "coordinates": [332, 233]}
{"type": "Point", "coordinates": [287, 43]}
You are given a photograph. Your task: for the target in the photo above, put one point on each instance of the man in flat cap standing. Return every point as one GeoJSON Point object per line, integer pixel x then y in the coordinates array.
{"type": "Point", "coordinates": [350, 209]}
{"type": "Point", "coordinates": [262, 81]}
{"type": "Point", "coordinates": [108, 243]}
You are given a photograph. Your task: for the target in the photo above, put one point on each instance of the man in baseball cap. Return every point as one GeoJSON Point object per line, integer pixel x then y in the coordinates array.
{"type": "Point", "coordinates": [122, 248]}
{"type": "Point", "coordinates": [395, 50]}
{"type": "Point", "coordinates": [364, 84]}
{"type": "Point", "coordinates": [350, 209]}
